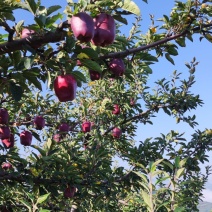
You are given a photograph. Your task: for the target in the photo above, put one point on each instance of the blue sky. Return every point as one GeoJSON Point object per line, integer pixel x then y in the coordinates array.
{"type": "Point", "coordinates": [203, 86]}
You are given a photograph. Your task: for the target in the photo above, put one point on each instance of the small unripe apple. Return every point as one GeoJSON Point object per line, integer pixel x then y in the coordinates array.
{"type": "Point", "coordinates": [9, 142]}
{"type": "Point", "coordinates": [64, 127]}
{"type": "Point", "coordinates": [117, 67]}
{"type": "Point", "coordinates": [69, 192]}
{"type": "Point", "coordinates": [39, 122]}
{"type": "Point", "coordinates": [6, 166]}
{"type": "Point", "coordinates": [4, 132]}
{"type": "Point", "coordinates": [4, 116]}
{"type": "Point", "coordinates": [82, 26]}
{"type": "Point", "coordinates": [104, 30]}
{"type": "Point", "coordinates": [57, 138]}
{"type": "Point", "coordinates": [94, 75]}
{"type": "Point", "coordinates": [65, 87]}
{"type": "Point", "coordinates": [26, 138]}
{"type": "Point", "coordinates": [86, 126]}
{"type": "Point", "coordinates": [116, 133]}
{"type": "Point", "coordinates": [116, 109]}
{"type": "Point", "coordinates": [27, 32]}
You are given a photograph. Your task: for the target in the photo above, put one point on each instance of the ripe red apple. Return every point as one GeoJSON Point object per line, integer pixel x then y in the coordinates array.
{"type": "Point", "coordinates": [6, 166]}
{"type": "Point", "coordinates": [9, 142]}
{"type": "Point", "coordinates": [69, 192]}
{"type": "Point", "coordinates": [116, 133]}
{"type": "Point", "coordinates": [82, 26]}
{"type": "Point", "coordinates": [132, 102]}
{"type": "Point", "coordinates": [116, 109]}
{"type": "Point", "coordinates": [57, 138]}
{"type": "Point", "coordinates": [39, 122]}
{"type": "Point", "coordinates": [117, 67]}
{"type": "Point", "coordinates": [86, 126]}
{"type": "Point", "coordinates": [65, 87]}
{"type": "Point", "coordinates": [27, 32]}
{"type": "Point", "coordinates": [4, 132]}
{"type": "Point", "coordinates": [26, 138]}
{"type": "Point", "coordinates": [94, 75]}
{"type": "Point", "coordinates": [64, 127]}
{"type": "Point", "coordinates": [4, 116]}
{"type": "Point", "coordinates": [104, 30]}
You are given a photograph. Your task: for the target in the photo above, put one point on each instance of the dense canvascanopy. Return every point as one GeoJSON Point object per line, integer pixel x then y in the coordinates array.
{"type": "Point", "coordinates": [74, 89]}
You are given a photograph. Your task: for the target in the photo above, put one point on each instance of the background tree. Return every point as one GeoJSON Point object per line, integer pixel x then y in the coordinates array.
{"type": "Point", "coordinates": [58, 155]}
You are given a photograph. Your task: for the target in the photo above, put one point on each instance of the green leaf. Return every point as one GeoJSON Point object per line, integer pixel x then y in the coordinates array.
{"type": "Point", "coordinates": [91, 65]}
{"type": "Point", "coordinates": [53, 19]}
{"type": "Point", "coordinates": [177, 161]}
{"type": "Point", "coordinates": [34, 80]}
{"type": "Point", "coordinates": [16, 91]}
{"type": "Point", "coordinates": [119, 18]}
{"type": "Point", "coordinates": [28, 205]}
{"type": "Point", "coordinates": [43, 198]}
{"type": "Point", "coordinates": [32, 5]}
{"type": "Point", "coordinates": [41, 151]}
{"type": "Point", "coordinates": [36, 136]}
{"type": "Point", "coordinates": [180, 172]}
{"type": "Point", "coordinates": [181, 42]}
{"type": "Point", "coordinates": [79, 76]}
{"type": "Point", "coordinates": [169, 58]}
{"type": "Point", "coordinates": [130, 6]}
{"type": "Point", "coordinates": [146, 198]}
{"type": "Point", "coordinates": [28, 62]}
{"type": "Point", "coordinates": [52, 9]}
{"type": "Point", "coordinates": [19, 25]}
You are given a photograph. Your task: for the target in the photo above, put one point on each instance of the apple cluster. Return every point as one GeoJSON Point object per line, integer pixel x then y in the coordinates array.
{"type": "Point", "coordinates": [7, 137]}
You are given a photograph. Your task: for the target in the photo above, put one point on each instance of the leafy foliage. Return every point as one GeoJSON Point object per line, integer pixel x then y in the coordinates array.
{"type": "Point", "coordinates": [162, 173]}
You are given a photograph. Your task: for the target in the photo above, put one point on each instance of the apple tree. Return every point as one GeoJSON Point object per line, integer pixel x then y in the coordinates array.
{"type": "Point", "coordinates": [74, 92]}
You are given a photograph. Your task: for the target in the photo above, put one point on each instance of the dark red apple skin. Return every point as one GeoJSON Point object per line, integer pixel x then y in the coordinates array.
{"type": "Point", "coordinates": [116, 110]}
{"type": "Point", "coordinates": [116, 133]}
{"type": "Point", "coordinates": [39, 122]}
{"type": "Point", "coordinates": [69, 192]}
{"type": "Point", "coordinates": [104, 30]}
{"type": "Point", "coordinates": [4, 132]}
{"type": "Point", "coordinates": [27, 32]}
{"type": "Point", "coordinates": [64, 127]}
{"type": "Point", "coordinates": [82, 26]}
{"type": "Point", "coordinates": [117, 67]}
{"type": "Point", "coordinates": [6, 166]}
{"type": "Point", "coordinates": [94, 75]}
{"type": "Point", "coordinates": [9, 142]}
{"type": "Point", "coordinates": [4, 116]}
{"type": "Point", "coordinates": [86, 126]}
{"type": "Point", "coordinates": [65, 87]}
{"type": "Point", "coordinates": [132, 102]}
{"type": "Point", "coordinates": [26, 138]}
{"type": "Point", "coordinates": [57, 138]}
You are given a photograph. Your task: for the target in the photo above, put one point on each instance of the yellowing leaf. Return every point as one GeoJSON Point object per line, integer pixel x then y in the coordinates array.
{"type": "Point", "coordinates": [82, 56]}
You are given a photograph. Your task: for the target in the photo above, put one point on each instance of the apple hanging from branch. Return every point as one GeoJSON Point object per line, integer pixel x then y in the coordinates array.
{"type": "Point", "coordinates": [104, 30]}
{"type": "Point", "coordinates": [9, 142]}
{"type": "Point", "coordinates": [65, 87]}
{"type": "Point", "coordinates": [26, 138]}
{"type": "Point", "coordinates": [94, 75]}
{"type": "Point", "coordinates": [6, 166]}
{"type": "Point", "coordinates": [70, 192]}
{"type": "Point", "coordinates": [86, 126]}
{"type": "Point", "coordinates": [82, 26]}
{"type": "Point", "coordinates": [117, 67]}
{"type": "Point", "coordinates": [4, 116]}
{"type": "Point", "coordinates": [116, 133]}
{"type": "Point", "coordinates": [39, 122]}
{"type": "Point", "coordinates": [116, 110]}
{"type": "Point", "coordinates": [4, 132]}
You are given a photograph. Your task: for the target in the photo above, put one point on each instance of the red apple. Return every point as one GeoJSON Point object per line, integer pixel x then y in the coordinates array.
{"type": "Point", "coordinates": [4, 116]}
{"type": "Point", "coordinates": [26, 138]}
{"type": "Point", "coordinates": [9, 142]}
{"type": "Point", "coordinates": [69, 192]}
{"type": "Point", "coordinates": [116, 133]}
{"type": "Point", "coordinates": [104, 30]}
{"type": "Point", "coordinates": [4, 132]}
{"type": "Point", "coordinates": [117, 67]}
{"type": "Point", "coordinates": [65, 87]}
{"type": "Point", "coordinates": [116, 110]}
{"type": "Point", "coordinates": [57, 138]}
{"type": "Point", "coordinates": [86, 126]}
{"type": "Point", "coordinates": [82, 26]}
{"type": "Point", "coordinates": [94, 75]}
{"type": "Point", "coordinates": [27, 32]}
{"type": "Point", "coordinates": [64, 127]}
{"type": "Point", "coordinates": [39, 122]}
{"type": "Point", "coordinates": [6, 166]}
{"type": "Point", "coordinates": [132, 101]}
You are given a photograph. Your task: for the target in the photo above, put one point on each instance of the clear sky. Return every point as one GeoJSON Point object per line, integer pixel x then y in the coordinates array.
{"type": "Point", "coordinates": [203, 86]}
